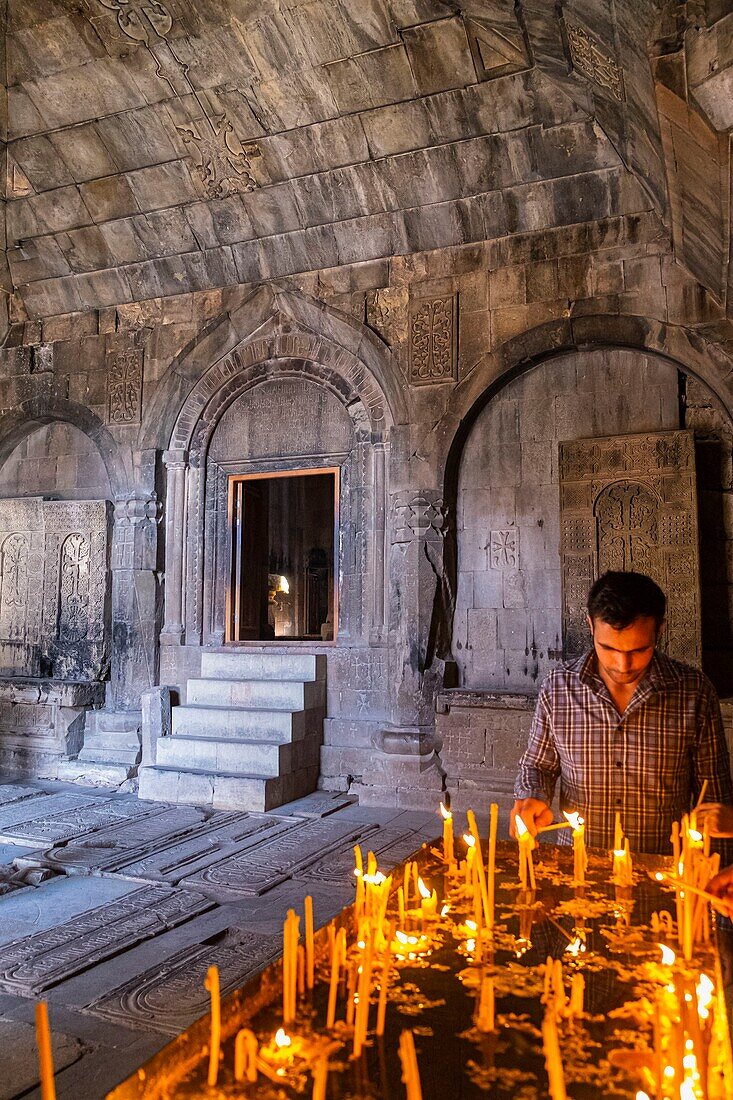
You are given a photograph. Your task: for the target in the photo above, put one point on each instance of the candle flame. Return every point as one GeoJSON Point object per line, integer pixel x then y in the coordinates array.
{"type": "Point", "coordinates": [520, 827]}
{"type": "Point", "coordinates": [469, 839]}
{"type": "Point", "coordinates": [575, 947]}
{"type": "Point", "coordinates": [695, 835]}
{"type": "Point", "coordinates": [642, 1095]}
{"type": "Point", "coordinates": [471, 925]}
{"type": "Point", "coordinates": [574, 818]}
{"type": "Point", "coordinates": [447, 815]}
{"type": "Point", "coordinates": [619, 852]}
{"type": "Point", "coordinates": [669, 1071]}
{"type": "Point", "coordinates": [376, 879]}
{"type": "Point", "coordinates": [282, 1039]}
{"type": "Point", "coordinates": [445, 910]}
{"type": "Point", "coordinates": [668, 955]}
{"type": "Point", "coordinates": [424, 892]}
{"type": "Point", "coordinates": [705, 990]}
{"type": "Point", "coordinates": [659, 876]}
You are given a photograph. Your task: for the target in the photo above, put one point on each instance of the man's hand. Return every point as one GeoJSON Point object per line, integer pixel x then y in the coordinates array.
{"type": "Point", "coordinates": [722, 887]}
{"type": "Point", "coordinates": [716, 817]}
{"type": "Point", "coordinates": [533, 813]}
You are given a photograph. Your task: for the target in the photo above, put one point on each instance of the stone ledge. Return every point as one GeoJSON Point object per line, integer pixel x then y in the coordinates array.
{"type": "Point", "coordinates": [63, 693]}
{"type": "Point", "coordinates": [489, 700]}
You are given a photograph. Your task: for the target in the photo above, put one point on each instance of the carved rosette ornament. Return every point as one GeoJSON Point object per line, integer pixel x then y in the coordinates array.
{"type": "Point", "coordinates": [433, 340]}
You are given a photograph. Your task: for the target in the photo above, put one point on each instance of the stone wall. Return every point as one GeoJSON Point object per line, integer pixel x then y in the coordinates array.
{"type": "Point", "coordinates": [508, 620]}
{"type": "Point", "coordinates": [58, 461]}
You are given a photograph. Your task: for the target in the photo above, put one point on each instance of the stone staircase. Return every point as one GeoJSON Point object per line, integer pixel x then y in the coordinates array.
{"type": "Point", "coordinates": [111, 751]}
{"type": "Point", "coordinates": [248, 736]}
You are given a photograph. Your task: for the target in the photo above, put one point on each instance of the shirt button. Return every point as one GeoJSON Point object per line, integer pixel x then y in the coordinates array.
{"type": "Point", "coordinates": [618, 763]}
{"type": "Point", "coordinates": [618, 801]}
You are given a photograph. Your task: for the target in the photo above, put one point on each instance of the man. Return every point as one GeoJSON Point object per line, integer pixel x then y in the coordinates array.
{"type": "Point", "coordinates": [624, 728]}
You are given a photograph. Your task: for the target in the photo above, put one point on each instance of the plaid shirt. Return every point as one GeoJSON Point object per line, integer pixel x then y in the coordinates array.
{"type": "Point", "coordinates": [648, 763]}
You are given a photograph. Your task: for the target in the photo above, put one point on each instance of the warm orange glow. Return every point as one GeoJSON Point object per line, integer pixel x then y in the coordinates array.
{"type": "Point", "coordinates": [574, 819]}
{"type": "Point", "coordinates": [695, 836]}
{"type": "Point", "coordinates": [704, 990]}
{"type": "Point", "coordinates": [619, 852]}
{"type": "Point", "coordinates": [576, 947]}
{"type": "Point", "coordinates": [659, 876]}
{"type": "Point", "coordinates": [470, 840]}
{"type": "Point", "coordinates": [520, 827]}
{"type": "Point", "coordinates": [282, 1039]}
{"type": "Point", "coordinates": [447, 815]}
{"type": "Point", "coordinates": [424, 892]}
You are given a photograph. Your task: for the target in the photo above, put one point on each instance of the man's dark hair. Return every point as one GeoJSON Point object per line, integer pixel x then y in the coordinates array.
{"type": "Point", "coordinates": [620, 598]}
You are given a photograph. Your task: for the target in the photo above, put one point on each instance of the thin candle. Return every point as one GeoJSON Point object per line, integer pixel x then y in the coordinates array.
{"type": "Point", "coordinates": [212, 984]}
{"type": "Point", "coordinates": [553, 1059]}
{"type": "Point", "coordinates": [580, 856]}
{"type": "Point", "coordinates": [338, 954]}
{"type": "Point", "coordinates": [448, 845]}
{"type": "Point", "coordinates": [309, 943]}
{"type": "Point", "coordinates": [320, 1079]}
{"type": "Point", "coordinates": [383, 987]}
{"type": "Point", "coordinates": [45, 1055]}
{"type": "Point", "coordinates": [491, 884]}
{"type": "Point", "coordinates": [245, 1055]}
{"type": "Point", "coordinates": [479, 865]}
{"type": "Point", "coordinates": [410, 1072]}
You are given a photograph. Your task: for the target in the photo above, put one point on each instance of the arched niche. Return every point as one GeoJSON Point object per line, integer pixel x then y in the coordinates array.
{"type": "Point", "coordinates": [508, 622]}
{"type": "Point", "coordinates": [283, 397]}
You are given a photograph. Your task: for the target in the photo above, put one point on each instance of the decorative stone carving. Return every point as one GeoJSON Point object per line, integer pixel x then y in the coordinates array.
{"type": "Point", "coordinates": [21, 558]}
{"type": "Point", "coordinates": [223, 164]}
{"type": "Point", "coordinates": [630, 503]}
{"type": "Point", "coordinates": [432, 338]}
{"type": "Point", "coordinates": [38, 962]}
{"type": "Point", "coordinates": [390, 846]}
{"type": "Point", "coordinates": [171, 995]}
{"type": "Point", "coordinates": [593, 62]}
{"type": "Point", "coordinates": [124, 384]}
{"type": "Point", "coordinates": [496, 52]}
{"type": "Point", "coordinates": [251, 873]}
{"type": "Point", "coordinates": [79, 821]}
{"type": "Point", "coordinates": [504, 549]}
{"type": "Point", "coordinates": [422, 515]}
{"type": "Point", "coordinates": [141, 20]}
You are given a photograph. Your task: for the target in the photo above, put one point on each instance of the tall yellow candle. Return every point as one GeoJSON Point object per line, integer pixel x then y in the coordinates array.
{"type": "Point", "coordinates": [245, 1055]}
{"type": "Point", "coordinates": [212, 984]}
{"type": "Point", "coordinates": [553, 1059]}
{"type": "Point", "coordinates": [320, 1079]}
{"type": "Point", "coordinates": [45, 1055]}
{"type": "Point", "coordinates": [410, 1072]}
{"type": "Point", "coordinates": [448, 847]}
{"type": "Point", "coordinates": [479, 865]}
{"type": "Point", "coordinates": [309, 943]}
{"type": "Point", "coordinates": [383, 987]}
{"type": "Point", "coordinates": [580, 856]}
{"type": "Point", "coordinates": [491, 884]}
{"type": "Point", "coordinates": [338, 955]}
{"type": "Point", "coordinates": [486, 1019]}
{"type": "Point", "coordinates": [577, 994]}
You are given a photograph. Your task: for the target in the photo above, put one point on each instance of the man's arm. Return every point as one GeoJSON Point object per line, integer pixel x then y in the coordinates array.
{"type": "Point", "coordinates": [539, 769]}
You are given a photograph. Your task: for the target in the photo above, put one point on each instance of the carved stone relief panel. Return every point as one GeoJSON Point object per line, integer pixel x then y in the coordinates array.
{"type": "Point", "coordinates": [124, 384]}
{"type": "Point", "coordinates": [593, 62]}
{"type": "Point", "coordinates": [629, 503]}
{"type": "Point", "coordinates": [53, 588]}
{"type": "Point", "coordinates": [433, 332]}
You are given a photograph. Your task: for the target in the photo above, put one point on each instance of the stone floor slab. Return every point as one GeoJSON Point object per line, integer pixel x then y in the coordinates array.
{"type": "Point", "coordinates": [257, 870]}
{"type": "Point", "coordinates": [20, 1059]}
{"type": "Point", "coordinates": [170, 997]}
{"type": "Point", "coordinates": [390, 846]}
{"type": "Point", "coordinates": [16, 814]}
{"type": "Point", "coordinates": [318, 804]}
{"type": "Point", "coordinates": [62, 899]}
{"type": "Point", "coordinates": [37, 962]}
{"type": "Point", "coordinates": [14, 792]}
{"type": "Point", "coordinates": [52, 828]}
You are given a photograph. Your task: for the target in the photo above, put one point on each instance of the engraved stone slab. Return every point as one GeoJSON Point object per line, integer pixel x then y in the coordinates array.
{"type": "Point", "coordinates": [251, 873]}
{"type": "Point", "coordinates": [178, 860]}
{"type": "Point", "coordinates": [13, 792]}
{"type": "Point", "coordinates": [170, 997]}
{"type": "Point", "coordinates": [35, 963]}
{"type": "Point", "coordinates": [70, 823]}
{"type": "Point", "coordinates": [319, 804]}
{"type": "Point", "coordinates": [630, 503]}
{"type": "Point", "coordinates": [16, 813]}
{"type": "Point", "coordinates": [390, 846]}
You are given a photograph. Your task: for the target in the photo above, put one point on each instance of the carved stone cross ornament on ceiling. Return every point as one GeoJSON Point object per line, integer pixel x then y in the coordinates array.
{"type": "Point", "coordinates": [629, 503]}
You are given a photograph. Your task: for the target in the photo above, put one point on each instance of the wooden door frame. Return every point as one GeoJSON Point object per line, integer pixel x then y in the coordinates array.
{"type": "Point", "coordinates": [233, 590]}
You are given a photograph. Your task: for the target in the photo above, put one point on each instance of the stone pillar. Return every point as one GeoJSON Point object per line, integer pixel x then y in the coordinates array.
{"type": "Point", "coordinates": [416, 557]}
{"type": "Point", "coordinates": [176, 462]}
{"type": "Point", "coordinates": [134, 599]}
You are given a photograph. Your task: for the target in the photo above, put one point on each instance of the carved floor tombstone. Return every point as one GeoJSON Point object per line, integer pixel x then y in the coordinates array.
{"type": "Point", "coordinates": [630, 503]}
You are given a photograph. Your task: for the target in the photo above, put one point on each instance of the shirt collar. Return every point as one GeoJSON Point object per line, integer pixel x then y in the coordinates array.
{"type": "Point", "coordinates": [661, 673]}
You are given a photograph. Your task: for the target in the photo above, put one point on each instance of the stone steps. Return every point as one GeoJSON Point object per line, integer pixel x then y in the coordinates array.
{"type": "Point", "coordinates": [243, 723]}
{"type": "Point", "coordinates": [248, 736]}
{"type": "Point", "coordinates": [252, 793]}
{"type": "Point", "coordinates": [258, 694]}
{"type": "Point", "coordinates": [239, 665]}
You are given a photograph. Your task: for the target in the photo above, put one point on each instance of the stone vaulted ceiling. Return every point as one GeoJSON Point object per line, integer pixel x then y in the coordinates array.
{"type": "Point", "coordinates": [157, 146]}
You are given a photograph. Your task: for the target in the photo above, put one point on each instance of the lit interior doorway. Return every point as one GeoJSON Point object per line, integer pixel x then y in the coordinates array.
{"type": "Point", "coordinates": [284, 534]}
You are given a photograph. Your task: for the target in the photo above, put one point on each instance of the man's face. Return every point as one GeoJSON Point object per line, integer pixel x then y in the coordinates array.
{"type": "Point", "coordinates": [624, 655]}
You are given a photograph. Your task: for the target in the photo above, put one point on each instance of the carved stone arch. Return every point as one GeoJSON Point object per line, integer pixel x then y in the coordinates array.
{"type": "Point", "coordinates": [30, 415]}
{"type": "Point", "coordinates": [342, 359]}
{"type": "Point", "coordinates": [688, 351]}
{"type": "Point", "coordinates": [274, 324]}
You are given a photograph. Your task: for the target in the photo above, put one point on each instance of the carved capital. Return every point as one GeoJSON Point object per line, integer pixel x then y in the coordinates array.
{"type": "Point", "coordinates": [176, 459]}
{"type": "Point", "coordinates": [421, 515]}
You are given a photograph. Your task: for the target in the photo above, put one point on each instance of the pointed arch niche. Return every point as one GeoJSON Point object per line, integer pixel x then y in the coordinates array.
{"type": "Point", "coordinates": [282, 398]}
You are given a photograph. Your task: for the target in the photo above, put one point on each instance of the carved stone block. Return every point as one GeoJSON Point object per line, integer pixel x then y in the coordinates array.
{"type": "Point", "coordinates": [390, 846]}
{"type": "Point", "coordinates": [170, 996]}
{"type": "Point", "coordinates": [504, 549]}
{"type": "Point", "coordinates": [251, 873]}
{"type": "Point", "coordinates": [35, 963]}
{"type": "Point", "coordinates": [124, 384]}
{"type": "Point", "coordinates": [630, 503]}
{"type": "Point", "coordinates": [593, 62]}
{"type": "Point", "coordinates": [79, 821]}
{"type": "Point", "coordinates": [432, 339]}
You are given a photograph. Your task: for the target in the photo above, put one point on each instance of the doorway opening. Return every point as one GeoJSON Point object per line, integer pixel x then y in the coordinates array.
{"type": "Point", "coordinates": [283, 534]}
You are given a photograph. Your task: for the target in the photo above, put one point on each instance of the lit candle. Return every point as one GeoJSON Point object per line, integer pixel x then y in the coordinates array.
{"type": "Point", "coordinates": [428, 901]}
{"type": "Point", "coordinates": [410, 1072]}
{"type": "Point", "coordinates": [359, 875]}
{"type": "Point", "coordinates": [245, 1055]}
{"type": "Point", "coordinates": [212, 984]}
{"type": "Point", "coordinates": [290, 965]}
{"type": "Point", "coordinates": [553, 1059]}
{"type": "Point", "coordinates": [448, 850]}
{"type": "Point", "coordinates": [618, 834]}
{"type": "Point", "coordinates": [491, 885]}
{"type": "Point", "coordinates": [622, 869]}
{"type": "Point", "coordinates": [470, 856]}
{"type": "Point", "coordinates": [526, 843]}
{"type": "Point", "coordinates": [580, 856]}
{"type": "Point", "coordinates": [45, 1056]}
{"type": "Point", "coordinates": [479, 865]}
{"type": "Point", "coordinates": [309, 943]}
